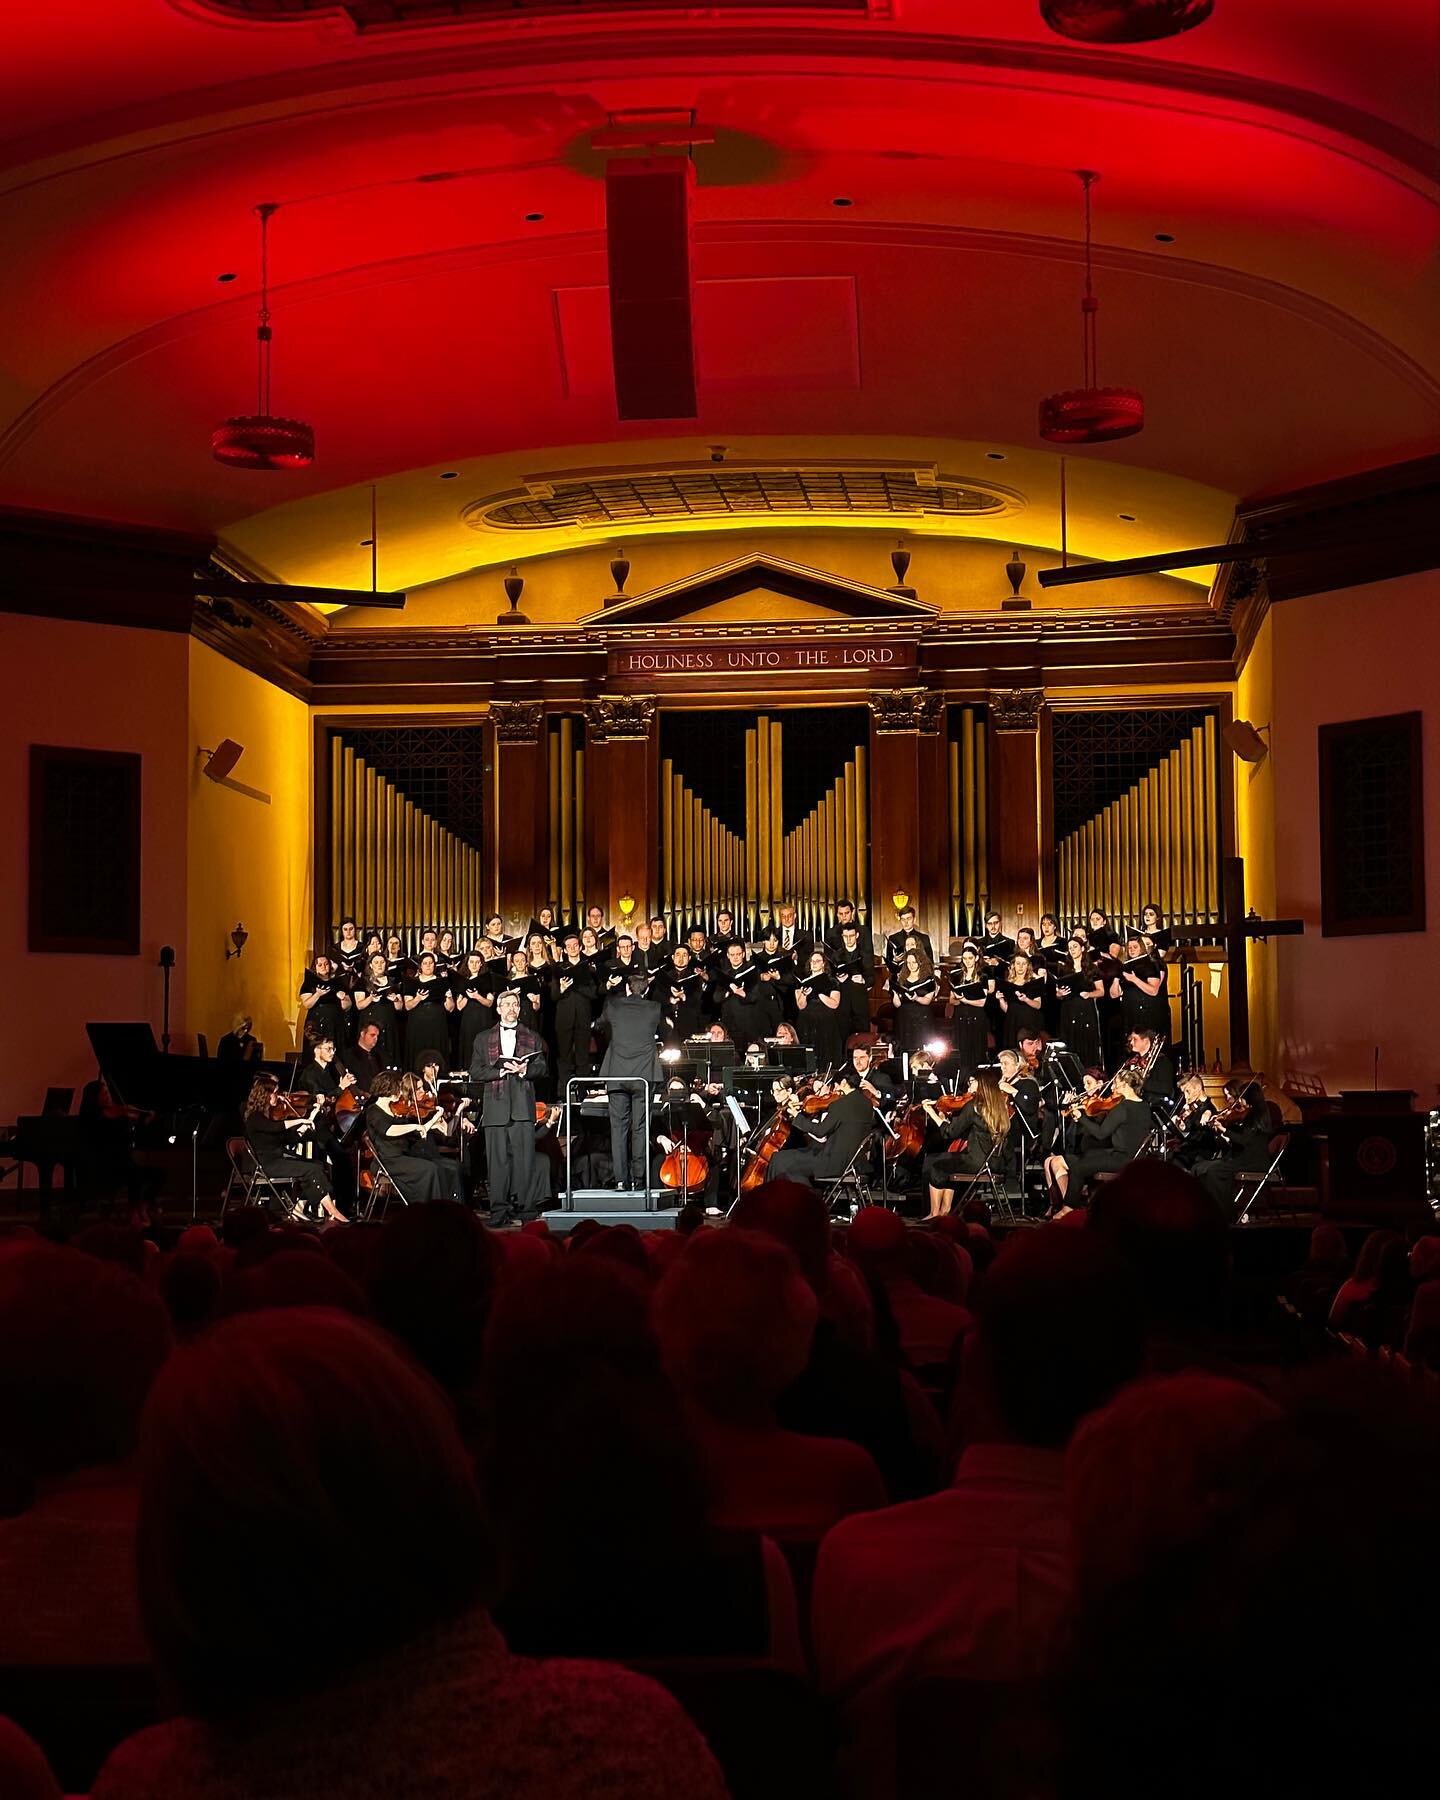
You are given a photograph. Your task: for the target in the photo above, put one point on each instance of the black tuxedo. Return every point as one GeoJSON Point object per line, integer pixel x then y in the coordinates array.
{"type": "Point", "coordinates": [895, 947]}
{"type": "Point", "coordinates": [837, 1134]}
{"type": "Point", "coordinates": [507, 1111]}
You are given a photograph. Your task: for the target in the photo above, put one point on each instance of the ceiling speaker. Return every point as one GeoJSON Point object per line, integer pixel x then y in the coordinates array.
{"type": "Point", "coordinates": [1245, 740]}
{"type": "Point", "coordinates": [223, 758]}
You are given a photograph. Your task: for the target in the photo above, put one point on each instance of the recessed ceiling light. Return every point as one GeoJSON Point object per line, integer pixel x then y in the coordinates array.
{"type": "Point", "coordinates": [450, 475]}
{"type": "Point", "coordinates": [995, 455]}
{"type": "Point", "coordinates": [842, 200]}
{"type": "Point", "coordinates": [1164, 237]}
{"type": "Point", "coordinates": [1129, 518]}
{"type": "Point", "coordinates": [533, 218]}
{"type": "Point", "coordinates": [229, 275]}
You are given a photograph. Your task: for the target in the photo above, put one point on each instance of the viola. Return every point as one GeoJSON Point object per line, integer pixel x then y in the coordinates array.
{"type": "Point", "coordinates": [1095, 1106]}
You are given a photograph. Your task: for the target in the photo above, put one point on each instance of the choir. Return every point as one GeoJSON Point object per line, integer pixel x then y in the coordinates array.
{"type": "Point", "coordinates": [1043, 1054]}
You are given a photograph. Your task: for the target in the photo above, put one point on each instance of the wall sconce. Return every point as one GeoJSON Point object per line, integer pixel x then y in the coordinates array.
{"type": "Point", "coordinates": [899, 900]}
{"type": "Point", "coordinates": [238, 937]}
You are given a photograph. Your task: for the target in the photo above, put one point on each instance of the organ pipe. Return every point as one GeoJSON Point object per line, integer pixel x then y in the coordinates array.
{"type": "Point", "coordinates": [1154, 842]}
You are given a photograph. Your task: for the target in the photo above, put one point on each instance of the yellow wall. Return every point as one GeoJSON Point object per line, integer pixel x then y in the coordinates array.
{"type": "Point", "coordinates": [95, 687]}
{"type": "Point", "coordinates": [1255, 841]}
{"type": "Point", "coordinates": [955, 574]}
{"type": "Point", "coordinates": [250, 858]}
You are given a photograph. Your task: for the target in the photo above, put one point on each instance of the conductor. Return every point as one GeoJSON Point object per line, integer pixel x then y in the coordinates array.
{"type": "Point", "coordinates": [502, 1065]}
{"type": "Point", "coordinates": [632, 1023]}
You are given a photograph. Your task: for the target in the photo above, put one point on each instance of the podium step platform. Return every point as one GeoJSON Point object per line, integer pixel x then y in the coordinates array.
{"type": "Point", "coordinates": [610, 1207]}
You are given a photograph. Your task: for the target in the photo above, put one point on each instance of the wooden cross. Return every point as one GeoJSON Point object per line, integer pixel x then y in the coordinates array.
{"type": "Point", "coordinates": [1236, 930]}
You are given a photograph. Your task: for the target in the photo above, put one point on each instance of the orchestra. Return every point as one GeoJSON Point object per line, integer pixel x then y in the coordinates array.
{"type": "Point", "coordinates": [1033, 1061]}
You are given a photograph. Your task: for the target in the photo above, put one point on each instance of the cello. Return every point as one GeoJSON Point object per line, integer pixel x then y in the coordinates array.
{"type": "Point", "coordinates": [776, 1132]}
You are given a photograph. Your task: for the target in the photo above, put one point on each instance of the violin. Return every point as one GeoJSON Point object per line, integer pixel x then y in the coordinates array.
{"type": "Point", "coordinates": [290, 1105]}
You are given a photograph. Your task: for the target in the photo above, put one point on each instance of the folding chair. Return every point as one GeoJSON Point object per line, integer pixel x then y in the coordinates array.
{"type": "Point", "coordinates": [383, 1186]}
{"type": "Point", "coordinates": [854, 1178]}
{"type": "Point", "coordinates": [1256, 1181]}
{"type": "Point", "coordinates": [988, 1177]}
{"type": "Point", "coordinates": [247, 1175]}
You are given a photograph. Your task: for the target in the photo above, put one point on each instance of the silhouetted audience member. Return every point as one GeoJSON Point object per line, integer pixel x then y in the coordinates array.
{"type": "Point", "coordinates": [597, 1490]}
{"type": "Point", "coordinates": [293, 1277]}
{"type": "Point", "coordinates": [846, 1390]}
{"type": "Point", "coordinates": [974, 1581]}
{"type": "Point", "coordinates": [1144, 1471]}
{"type": "Point", "coordinates": [80, 1343]}
{"type": "Point", "coordinates": [311, 1653]}
{"type": "Point", "coordinates": [1174, 1236]}
{"type": "Point", "coordinates": [432, 1279]}
{"type": "Point", "coordinates": [24, 1772]}
{"type": "Point", "coordinates": [929, 1328]}
{"type": "Point", "coordinates": [123, 1245]}
{"type": "Point", "coordinates": [1312, 1289]}
{"type": "Point", "coordinates": [1382, 1258]}
{"type": "Point", "coordinates": [1286, 1645]}
{"type": "Point", "coordinates": [190, 1286]}
{"type": "Point", "coordinates": [1422, 1333]}
{"type": "Point", "coordinates": [735, 1318]}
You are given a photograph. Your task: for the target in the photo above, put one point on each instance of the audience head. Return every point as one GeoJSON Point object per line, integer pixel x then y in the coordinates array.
{"type": "Point", "coordinates": [735, 1318]}
{"type": "Point", "coordinates": [190, 1288]}
{"type": "Point", "coordinates": [1145, 1471]}
{"type": "Point", "coordinates": [1060, 1330]}
{"type": "Point", "coordinates": [270, 1448]}
{"type": "Point", "coordinates": [1241, 1659]}
{"type": "Point", "coordinates": [118, 1244]}
{"type": "Point", "coordinates": [794, 1215]}
{"type": "Point", "coordinates": [81, 1340]}
{"type": "Point", "coordinates": [291, 1276]}
{"type": "Point", "coordinates": [432, 1280]}
{"type": "Point", "coordinates": [1372, 1253]}
{"type": "Point", "coordinates": [1425, 1259]}
{"type": "Point", "coordinates": [582, 1416]}
{"type": "Point", "coordinates": [1167, 1228]}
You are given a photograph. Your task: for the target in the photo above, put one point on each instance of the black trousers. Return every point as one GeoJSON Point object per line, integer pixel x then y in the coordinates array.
{"type": "Point", "coordinates": [627, 1134]}
{"type": "Point", "coordinates": [795, 1163]}
{"type": "Point", "coordinates": [510, 1165]}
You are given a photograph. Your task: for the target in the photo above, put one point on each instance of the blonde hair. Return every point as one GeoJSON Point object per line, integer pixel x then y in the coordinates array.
{"type": "Point", "coordinates": [991, 1105]}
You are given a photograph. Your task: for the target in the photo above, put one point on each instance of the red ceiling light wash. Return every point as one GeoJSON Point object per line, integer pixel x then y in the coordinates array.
{"type": "Point", "coordinates": [259, 440]}
{"type": "Point", "coordinates": [1090, 414]}
{"type": "Point", "coordinates": [1123, 21]}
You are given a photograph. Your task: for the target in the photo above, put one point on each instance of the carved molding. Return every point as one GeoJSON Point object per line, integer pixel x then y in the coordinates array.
{"type": "Point", "coordinates": [619, 716]}
{"type": "Point", "coordinates": [906, 709]}
{"type": "Point", "coordinates": [517, 721]}
{"type": "Point", "coordinates": [1016, 709]}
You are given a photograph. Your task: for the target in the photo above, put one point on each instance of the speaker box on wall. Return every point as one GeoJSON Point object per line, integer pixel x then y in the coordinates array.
{"type": "Point", "coordinates": [652, 330]}
{"type": "Point", "coordinates": [223, 758]}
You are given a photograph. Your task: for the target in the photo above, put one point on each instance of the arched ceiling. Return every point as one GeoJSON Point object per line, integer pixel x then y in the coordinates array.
{"type": "Point", "coordinates": [424, 324]}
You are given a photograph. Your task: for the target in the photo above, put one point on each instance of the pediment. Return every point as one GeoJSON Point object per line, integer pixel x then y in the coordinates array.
{"type": "Point", "coordinates": [758, 589]}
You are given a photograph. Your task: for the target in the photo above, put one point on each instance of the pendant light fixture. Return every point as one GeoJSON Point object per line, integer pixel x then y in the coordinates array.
{"type": "Point", "coordinates": [1123, 21]}
{"type": "Point", "coordinates": [1090, 414]}
{"type": "Point", "coordinates": [260, 440]}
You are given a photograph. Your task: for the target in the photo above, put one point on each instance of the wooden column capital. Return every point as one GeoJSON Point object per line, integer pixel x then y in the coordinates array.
{"type": "Point", "coordinates": [517, 721]}
{"type": "Point", "coordinates": [619, 716]}
{"type": "Point", "coordinates": [1016, 709]}
{"type": "Point", "coordinates": [906, 709]}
